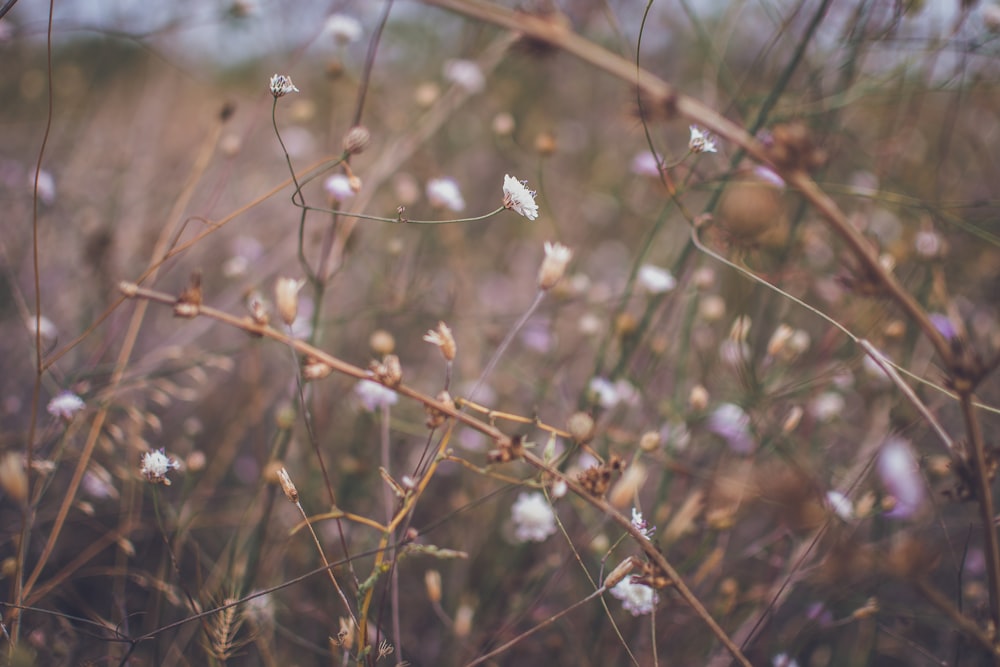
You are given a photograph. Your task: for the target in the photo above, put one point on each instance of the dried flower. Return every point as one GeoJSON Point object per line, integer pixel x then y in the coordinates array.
{"type": "Point", "coordinates": [580, 426]}
{"type": "Point", "coordinates": [65, 405]}
{"type": "Point", "coordinates": [344, 29]}
{"type": "Point", "coordinates": [636, 598]}
{"type": "Point", "coordinates": [533, 517]}
{"type": "Point", "coordinates": [553, 267]}
{"type": "Point", "coordinates": [286, 296]}
{"type": "Point", "coordinates": [444, 193]}
{"type": "Point", "coordinates": [655, 280]}
{"type": "Point", "coordinates": [519, 198]}
{"type": "Point", "coordinates": [282, 85]}
{"type": "Point", "coordinates": [465, 74]}
{"type": "Point", "coordinates": [445, 341]}
{"type": "Point", "coordinates": [338, 186]}
{"type": "Point", "coordinates": [156, 465]}
{"type": "Point", "coordinates": [701, 141]}
{"type": "Point", "coordinates": [374, 396]}
{"type": "Point", "coordinates": [13, 478]}
{"type": "Point", "coordinates": [619, 573]}
{"type": "Point", "coordinates": [288, 486]}
{"type": "Point", "coordinates": [389, 372]}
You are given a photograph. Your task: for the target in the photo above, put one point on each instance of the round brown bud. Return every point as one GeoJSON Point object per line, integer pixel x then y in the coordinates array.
{"type": "Point", "coordinates": [650, 441]}
{"type": "Point", "coordinates": [357, 139]}
{"type": "Point", "coordinates": [382, 342]}
{"type": "Point", "coordinates": [580, 426]}
{"type": "Point", "coordinates": [545, 144]}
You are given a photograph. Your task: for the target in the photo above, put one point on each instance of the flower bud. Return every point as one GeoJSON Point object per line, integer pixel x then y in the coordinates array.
{"type": "Point", "coordinates": [357, 139]}
{"type": "Point", "coordinates": [286, 296]}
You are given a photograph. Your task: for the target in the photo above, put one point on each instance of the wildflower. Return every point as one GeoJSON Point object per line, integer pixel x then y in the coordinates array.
{"type": "Point", "coordinates": [465, 74]}
{"type": "Point", "coordinates": [656, 280]}
{"type": "Point", "coordinates": [840, 504]}
{"type": "Point", "coordinates": [827, 406]}
{"type": "Point", "coordinates": [344, 29]}
{"type": "Point", "coordinates": [900, 474]}
{"type": "Point", "coordinates": [518, 197]}
{"type": "Point", "coordinates": [553, 267]}
{"type": "Point", "coordinates": [156, 465]}
{"type": "Point", "coordinates": [782, 660]}
{"type": "Point", "coordinates": [444, 193]}
{"type": "Point", "coordinates": [65, 405]}
{"type": "Point", "coordinates": [646, 163]}
{"type": "Point", "coordinates": [287, 485]}
{"type": "Point", "coordinates": [928, 244]}
{"type": "Point", "coordinates": [46, 186]}
{"type": "Point", "coordinates": [443, 338]}
{"type": "Point", "coordinates": [286, 296]}
{"type": "Point", "coordinates": [701, 141]}
{"type": "Point", "coordinates": [731, 423]}
{"type": "Point", "coordinates": [940, 321]}
{"type": "Point", "coordinates": [45, 325]}
{"type": "Point", "coordinates": [338, 186]}
{"type": "Point", "coordinates": [357, 139]}
{"type": "Point", "coordinates": [639, 523]}
{"type": "Point", "coordinates": [282, 85]}
{"type": "Point", "coordinates": [373, 395]}
{"type": "Point", "coordinates": [636, 598]}
{"type": "Point", "coordinates": [533, 517]}
{"type": "Point", "coordinates": [770, 176]}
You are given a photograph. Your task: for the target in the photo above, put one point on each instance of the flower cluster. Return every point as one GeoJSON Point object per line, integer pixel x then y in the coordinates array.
{"type": "Point", "coordinates": [156, 465]}
{"type": "Point", "coordinates": [533, 517]}
{"type": "Point", "coordinates": [282, 85]}
{"type": "Point", "coordinates": [517, 197]}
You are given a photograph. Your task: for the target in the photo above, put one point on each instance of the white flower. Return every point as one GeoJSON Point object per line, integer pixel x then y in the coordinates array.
{"type": "Point", "coordinates": [827, 406]}
{"type": "Point", "coordinates": [374, 395]}
{"type": "Point", "coordinates": [553, 267]}
{"type": "Point", "coordinates": [156, 465]}
{"type": "Point", "coordinates": [338, 186]}
{"type": "Point", "coordinates": [465, 74]}
{"type": "Point", "coordinates": [46, 186]}
{"type": "Point", "coordinates": [782, 660]}
{"type": "Point", "coordinates": [731, 423]}
{"type": "Point", "coordinates": [46, 325]}
{"type": "Point", "coordinates": [840, 504]}
{"type": "Point", "coordinates": [282, 85]}
{"type": "Point", "coordinates": [701, 141]}
{"type": "Point", "coordinates": [604, 391]}
{"type": "Point", "coordinates": [900, 474]}
{"type": "Point", "coordinates": [646, 163]}
{"type": "Point", "coordinates": [444, 193]}
{"type": "Point", "coordinates": [518, 197]}
{"type": "Point", "coordinates": [344, 29]}
{"type": "Point", "coordinates": [533, 517]}
{"type": "Point", "coordinates": [636, 598]}
{"type": "Point", "coordinates": [639, 523]}
{"type": "Point", "coordinates": [656, 280]}
{"type": "Point", "coordinates": [65, 405]}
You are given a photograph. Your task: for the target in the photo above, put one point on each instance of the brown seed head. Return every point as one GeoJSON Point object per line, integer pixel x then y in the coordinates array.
{"type": "Point", "coordinates": [357, 139]}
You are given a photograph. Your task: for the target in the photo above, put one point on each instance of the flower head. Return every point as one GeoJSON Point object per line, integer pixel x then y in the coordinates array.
{"type": "Point", "coordinates": [465, 74]}
{"type": "Point", "coordinates": [344, 29]}
{"type": "Point", "coordinates": [655, 279]}
{"type": "Point", "coordinates": [282, 85]}
{"type": "Point", "coordinates": [374, 396]}
{"type": "Point", "coordinates": [553, 267]}
{"type": "Point", "coordinates": [443, 338]}
{"type": "Point", "coordinates": [156, 465]}
{"type": "Point", "coordinates": [639, 523]}
{"type": "Point", "coordinates": [518, 197]}
{"type": "Point", "coordinates": [701, 141]}
{"type": "Point", "coordinates": [533, 517]}
{"type": "Point", "coordinates": [65, 405]}
{"type": "Point", "coordinates": [444, 193]}
{"type": "Point", "coordinates": [900, 474]}
{"type": "Point", "coordinates": [731, 423]}
{"type": "Point", "coordinates": [338, 186]}
{"type": "Point", "coordinates": [639, 599]}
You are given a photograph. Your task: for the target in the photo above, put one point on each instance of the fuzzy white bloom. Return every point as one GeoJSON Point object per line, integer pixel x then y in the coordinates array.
{"type": "Point", "coordinates": [533, 517]}
{"type": "Point", "coordinates": [553, 267]}
{"type": "Point", "coordinates": [282, 85]}
{"type": "Point", "coordinates": [639, 523]}
{"type": "Point", "coordinates": [656, 280]}
{"type": "Point", "coordinates": [374, 395]}
{"type": "Point", "coordinates": [64, 405]}
{"type": "Point", "coordinates": [338, 186]}
{"type": "Point", "coordinates": [156, 465]}
{"type": "Point", "coordinates": [900, 474]}
{"type": "Point", "coordinates": [518, 197]}
{"type": "Point", "coordinates": [731, 423]}
{"type": "Point", "coordinates": [636, 598]}
{"type": "Point", "coordinates": [701, 141]}
{"type": "Point", "coordinates": [465, 74]}
{"type": "Point", "coordinates": [827, 406]}
{"type": "Point", "coordinates": [344, 29]}
{"type": "Point", "coordinates": [46, 186]}
{"type": "Point", "coordinates": [840, 504]}
{"type": "Point", "coordinates": [609, 394]}
{"type": "Point", "coordinates": [46, 325]}
{"type": "Point", "coordinates": [444, 193]}
{"type": "Point", "coordinates": [782, 660]}
{"type": "Point", "coordinates": [646, 163]}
